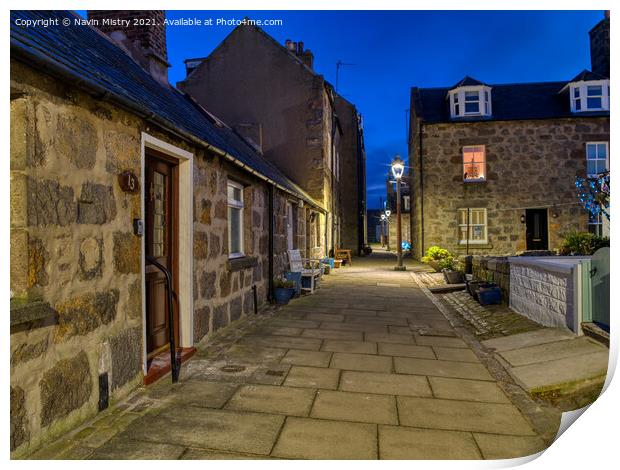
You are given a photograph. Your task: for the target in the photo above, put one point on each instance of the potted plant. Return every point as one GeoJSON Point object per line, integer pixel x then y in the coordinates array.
{"type": "Point", "coordinates": [450, 273]}
{"type": "Point", "coordinates": [489, 293]}
{"type": "Point", "coordinates": [434, 255]}
{"type": "Point", "coordinates": [283, 290]}
{"type": "Point", "coordinates": [296, 278]}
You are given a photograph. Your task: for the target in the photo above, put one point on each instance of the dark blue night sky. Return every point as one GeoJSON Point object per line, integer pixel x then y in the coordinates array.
{"type": "Point", "coordinates": [393, 51]}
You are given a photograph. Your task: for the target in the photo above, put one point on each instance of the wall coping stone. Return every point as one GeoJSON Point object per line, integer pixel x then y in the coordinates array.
{"type": "Point", "coordinates": [546, 264]}
{"type": "Point", "coordinates": [238, 264]}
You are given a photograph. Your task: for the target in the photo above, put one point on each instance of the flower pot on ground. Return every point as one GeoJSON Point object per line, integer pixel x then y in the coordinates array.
{"type": "Point", "coordinates": [296, 278]}
{"type": "Point", "coordinates": [490, 295]}
{"type": "Point", "coordinates": [283, 290]}
{"type": "Point", "coordinates": [326, 268]}
{"type": "Point", "coordinates": [453, 277]}
{"type": "Point", "coordinates": [337, 263]}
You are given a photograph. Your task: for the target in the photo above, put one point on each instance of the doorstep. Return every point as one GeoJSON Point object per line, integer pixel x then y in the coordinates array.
{"type": "Point", "coordinates": [160, 364]}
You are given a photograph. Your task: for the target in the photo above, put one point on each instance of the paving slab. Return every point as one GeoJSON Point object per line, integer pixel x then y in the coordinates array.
{"type": "Point", "coordinates": [333, 334]}
{"type": "Point", "coordinates": [215, 429]}
{"type": "Point", "coordinates": [362, 347]}
{"type": "Point", "coordinates": [388, 384]}
{"type": "Point", "coordinates": [363, 362]}
{"type": "Point", "coordinates": [531, 338]}
{"type": "Point", "coordinates": [494, 446]}
{"type": "Point", "coordinates": [307, 358]}
{"type": "Point", "coordinates": [124, 449]}
{"type": "Point", "coordinates": [440, 341]}
{"type": "Point", "coordinates": [552, 351]}
{"type": "Point", "coordinates": [469, 390]}
{"type": "Point", "coordinates": [377, 321]}
{"type": "Point", "coordinates": [455, 354]}
{"type": "Point", "coordinates": [357, 407]}
{"type": "Point", "coordinates": [204, 393]}
{"type": "Point", "coordinates": [272, 399]}
{"type": "Point", "coordinates": [437, 368]}
{"type": "Point", "coordinates": [332, 317]}
{"type": "Point", "coordinates": [403, 443]}
{"type": "Point", "coordinates": [303, 438]}
{"type": "Point", "coordinates": [285, 342]}
{"type": "Point", "coordinates": [205, 454]}
{"type": "Point", "coordinates": [313, 377]}
{"type": "Point", "coordinates": [295, 323]}
{"type": "Point", "coordinates": [551, 375]}
{"type": "Point", "coordinates": [255, 354]}
{"type": "Point", "coordinates": [279, 330]}
{"type": "Point", "coordinates": [364, 327]}
{"type": "Point", "coordinates": [435, 413]}
{"type": "Point", "coordinates": [389, 338]}
{"type": "Point", "coordinates": [406, 350]}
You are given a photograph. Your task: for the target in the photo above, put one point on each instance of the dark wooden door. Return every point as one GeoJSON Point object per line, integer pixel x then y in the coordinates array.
{"type": "Point", "coordinates": [161, 244]}
{"type": "Point", "coordinates": [536, 233]}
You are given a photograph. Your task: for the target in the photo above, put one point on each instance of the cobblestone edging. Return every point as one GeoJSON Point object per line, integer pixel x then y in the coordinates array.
{"type": "Point", "coordinates": [544, 418]}
{"type": "Point", "coordinates": [490, 321]}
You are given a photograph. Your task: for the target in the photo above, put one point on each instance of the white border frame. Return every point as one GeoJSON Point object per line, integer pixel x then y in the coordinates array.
{"type": "Point", "coordinates": [486, 226]}
{"type": "Point", "coordinates": [597, 142]}
{"type": "Point", "coordinates": [583, 95]}
{"type": "Point", "coordinates": [185, 239]}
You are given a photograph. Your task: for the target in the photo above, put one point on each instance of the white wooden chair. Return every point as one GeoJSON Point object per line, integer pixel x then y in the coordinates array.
{"type": "Point", "coordinates": [309, 268]}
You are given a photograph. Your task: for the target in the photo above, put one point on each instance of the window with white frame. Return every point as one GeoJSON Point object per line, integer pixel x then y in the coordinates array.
{"type": "Point", "coordinates": [597, 157]}
{"type": "Point", "coordinates": [235, 220]}
{"type": "Point", "coordinates": [406, 203]}
{"type": "Point", "coordinates": [472, 226]}
{"type": "Point", "coordinates": [595, 224]}
{"type": "Point", "coordinates": [474, 163]}
{"type": "Point", "coordinates": [589, 96]}
{"type": "Point", "coordinates": [470, 101]}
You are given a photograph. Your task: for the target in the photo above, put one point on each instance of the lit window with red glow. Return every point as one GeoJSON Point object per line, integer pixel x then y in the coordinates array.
{"type": "Point", "coordinates": [474, 163]}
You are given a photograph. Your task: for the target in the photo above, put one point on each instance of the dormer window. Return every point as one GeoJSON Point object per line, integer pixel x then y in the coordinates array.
{"type": "Point", "coordinates": [470, 101]}
{"type": "Point", "coordinates": [589, 96]}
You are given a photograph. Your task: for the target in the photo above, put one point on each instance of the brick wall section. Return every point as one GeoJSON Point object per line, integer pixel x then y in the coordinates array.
{"type": "Point", "coordinates": [529, 164]}
{"type": "Point", "coordinates": [543, 295]}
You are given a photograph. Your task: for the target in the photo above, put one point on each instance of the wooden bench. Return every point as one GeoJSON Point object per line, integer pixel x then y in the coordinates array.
{"type": "Point", "coordinates": [309, 268]}
{"type": "Point", "coordinates": [343, 254]}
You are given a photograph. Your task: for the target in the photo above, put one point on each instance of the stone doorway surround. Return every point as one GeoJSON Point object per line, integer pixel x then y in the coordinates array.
{"type": "Point", "coordinates": [186, 238]}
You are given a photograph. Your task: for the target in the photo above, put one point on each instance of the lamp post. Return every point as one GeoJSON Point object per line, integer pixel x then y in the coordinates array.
{"type": "Point", "coordinates": [398, 168]}
{"type": "Point", "coordinates": [387, 228]}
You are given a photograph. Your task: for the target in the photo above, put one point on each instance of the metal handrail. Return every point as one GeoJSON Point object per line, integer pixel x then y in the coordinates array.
{"type": "Point", "coordinates": [173, 354]}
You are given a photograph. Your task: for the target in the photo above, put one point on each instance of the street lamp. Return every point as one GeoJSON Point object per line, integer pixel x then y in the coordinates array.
{"type": "Point", "coordinates": [398, 168]}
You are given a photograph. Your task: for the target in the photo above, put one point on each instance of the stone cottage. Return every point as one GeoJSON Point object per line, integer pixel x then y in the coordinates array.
{"type": "Point", "coordinates": [112, 169]}
{"type": "Point", "coordinates": [272, 94]}
{"type": "Point", "coordinates": [494, 166]}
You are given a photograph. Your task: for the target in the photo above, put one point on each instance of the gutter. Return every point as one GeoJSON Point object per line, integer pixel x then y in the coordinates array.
{"type": "Point", "coordinates": [55, 68]}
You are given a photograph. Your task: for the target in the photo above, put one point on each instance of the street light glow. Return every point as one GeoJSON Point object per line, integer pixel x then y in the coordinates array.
{"type": "Point", "coordinates": [398, 167]}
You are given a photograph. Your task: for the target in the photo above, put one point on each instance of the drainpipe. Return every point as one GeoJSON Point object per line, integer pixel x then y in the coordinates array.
{"type": "Point", "coordinates": [421, 189]}
{"type": "Point", "coordinates": [271, 230]}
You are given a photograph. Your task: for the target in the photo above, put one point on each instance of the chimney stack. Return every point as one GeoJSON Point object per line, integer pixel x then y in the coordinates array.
{"type": "Point", "coordinates": [297, 48]}
{"type": "Point", "coordinates": [145, 43]}
{"type": "Point", "coordinates": [599, 46]}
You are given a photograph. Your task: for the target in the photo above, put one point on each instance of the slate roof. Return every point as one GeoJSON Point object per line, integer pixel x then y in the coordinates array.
{"type": "Point", "coordinates": [513, 101]}
{"type": "Point", "coordinates": [87, 57]}
{"type": "Point", "coordinates": [468, 81]}
{"type": "Point", "coordinates": [586, 75]}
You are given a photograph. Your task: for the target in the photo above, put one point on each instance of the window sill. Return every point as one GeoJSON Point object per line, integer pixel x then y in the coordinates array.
{"type": "Point", "coordinates": [243, 262]}
{"type": "Point", "coordinates": [477, 246]}
{"type": "Point", "coordinates": [474, 181]}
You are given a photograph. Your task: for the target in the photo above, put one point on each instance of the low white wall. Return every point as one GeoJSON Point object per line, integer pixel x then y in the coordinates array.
{"type": "Point", "coordinates": [545, 290]}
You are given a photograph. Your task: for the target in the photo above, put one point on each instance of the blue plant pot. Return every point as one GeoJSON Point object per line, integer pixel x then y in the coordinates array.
{"type": "Point", "coordinates": [282, 295]}
{"type": "Point", "coordinates": [329, 261]}
{"type": "Point", "coordinates": [490, 296]}
{"type": "Point", "coordinates": [295, 277]}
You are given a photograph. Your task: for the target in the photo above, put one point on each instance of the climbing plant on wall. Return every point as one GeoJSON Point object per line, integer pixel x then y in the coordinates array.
{"type": "Point", "coordinates": [593, 193]}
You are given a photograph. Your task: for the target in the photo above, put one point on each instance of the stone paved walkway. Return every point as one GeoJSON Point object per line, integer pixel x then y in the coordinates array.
{"type": "Point", "coordinates": [365, 368]}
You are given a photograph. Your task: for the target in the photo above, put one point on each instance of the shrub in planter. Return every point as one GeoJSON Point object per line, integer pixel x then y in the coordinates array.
{"type": "Point", "coordinates": [582, 243]}
{"type": "Point", "coordinates": [436, 256]}
{"type": "Point", "coordinates": [283, 290]}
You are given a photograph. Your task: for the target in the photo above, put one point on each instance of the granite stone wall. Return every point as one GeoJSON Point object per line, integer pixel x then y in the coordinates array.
{"type": "Point", "coordinates": [543, 294]}
{"type": "Point", "coordinates": [493, 269]}
{"type": "Point", "coordinates": [529, 164]}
